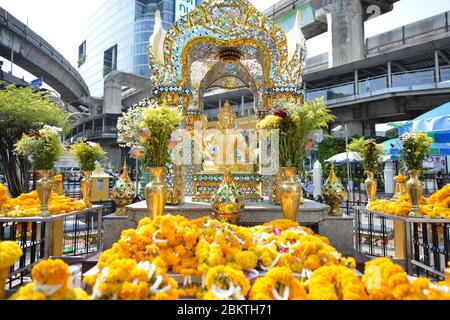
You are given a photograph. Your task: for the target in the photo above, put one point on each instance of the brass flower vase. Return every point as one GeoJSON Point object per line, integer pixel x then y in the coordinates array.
{"type": "Point", "coordinates": [333, 193]}
{"type": "Point", "coordinates": [86, 187]}
{"type": "Point", "coordinates": [123, 192]}
{"type": "Point", "coordinates": [371, 186]}
{"type": "Point", "coordinates": [156, 192]}
{"type": "Point", "coordinates": [414, 189]}
{"type": "Point", "coordinates": [228, 202]}
{"type": "Point", "coordinates": [290, 193]}
{"type": "Point", "coordinates": [44, 190]}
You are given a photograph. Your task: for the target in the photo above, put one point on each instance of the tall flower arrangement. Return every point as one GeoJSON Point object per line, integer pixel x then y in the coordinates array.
{"type": "Point", "coordinates": [369, 152]}
{"type": "Point", "coordinates": [129, 126]}
{"type": "Point", "coordinates": [371, 155]}
{"type": "Point", "coordinates": [158, 123]}
{"type": "Point", "coordinates": [296, 125]}
{"type": "Point", "coordinates": [416, 145]}
{"type": "Point", "coordinates": [43, 146]}
{"type": "Point", "coordinates": [87, 154]}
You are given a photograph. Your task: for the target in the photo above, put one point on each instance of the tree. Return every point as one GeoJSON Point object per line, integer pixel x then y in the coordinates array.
{"type": "Point", "coordinates": [392, 133]}
{"type": "Point", "coordinates": [21, 111]}
{"type": "Point", "coordinates": [330, 147]}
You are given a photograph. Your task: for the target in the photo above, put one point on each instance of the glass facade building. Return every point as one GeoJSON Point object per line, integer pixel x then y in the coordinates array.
{"type": "Point", "coordinates": [117, 35]}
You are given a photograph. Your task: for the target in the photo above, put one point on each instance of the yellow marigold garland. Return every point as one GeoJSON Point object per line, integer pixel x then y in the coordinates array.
{"type": "Point", "coordinates": [226, 283]}
{"type": "Point", "coordinates": [51, 281]}
{"type": "Point", "coordinates": [10, 252]}
{"type": "Point", "coordinates": [336, 283]}
{"type": "Point", "coordinates": [278, 284]}
{"type": "Point", "coordinates": [28, 204]}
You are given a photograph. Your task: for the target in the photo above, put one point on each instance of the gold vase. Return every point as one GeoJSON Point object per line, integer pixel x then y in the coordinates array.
{"type": "Point", "coordinates": [123, 192]}
{"type": "Point", "coordinates": [414, 189]}
{"type": "Point", "coordinates": [86, 187]}
{"type": "Point", "coordinates": [333, 193]}
{"type": "Point", "coordinates": [371, 186]}
{"type": "Point", "coordinates": [44, 190]}
{"type": "Point", "coordinates": [156, 192]}
{"type": "Point", "coordinates": [290, 193]}
{"type": "Point", "coordinates": [228, 202]}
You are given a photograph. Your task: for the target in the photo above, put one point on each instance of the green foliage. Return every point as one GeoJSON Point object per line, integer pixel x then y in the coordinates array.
{"type": "Point", "coordinates": [392, 133]}
{"type": "Point", "coordinates": [330, 147]}
{"type": "Point", "coordinates": [160, 121]}
{"type": "Point", "coordinates": [22, 110]}
{"type": "Point", "coordinates": [297, 127]}
{"type": "Point", "coordinates": [43, 146]}
{"type": "Point", "coordinates": [87, 153]}
{"type": "Point", "coordinates": [370, 153]}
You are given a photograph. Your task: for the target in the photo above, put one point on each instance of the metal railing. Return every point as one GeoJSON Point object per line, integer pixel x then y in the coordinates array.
{"type": "Point", "coordinates": [81, 235]}
{"type": "Point", "coordinates": [421, 244]}
{"type": "Point", "coordinates": [406, 79]}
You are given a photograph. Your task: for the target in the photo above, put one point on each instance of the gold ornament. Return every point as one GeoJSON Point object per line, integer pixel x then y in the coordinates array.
{"type": "Point", "coordinates": [228, 202]}
{"type": "Point", "coordinates": [123, 192]}
{"type": "Point", "coordinates": [333, 193]}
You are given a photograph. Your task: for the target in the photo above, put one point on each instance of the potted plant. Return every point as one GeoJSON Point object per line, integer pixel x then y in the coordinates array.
{"type": "Point", "coordinates": [158, 123]}
{"type": "Point", "coordinates": [87, 153]}
{"type": "Point", "coordinates": [371, 155]}
{"type": "Point", "coordinates": [416, 145]}
{"type": "Point", "coordinates": [44, 148]}
{"type": "Point", "coordinates": [295, 125]}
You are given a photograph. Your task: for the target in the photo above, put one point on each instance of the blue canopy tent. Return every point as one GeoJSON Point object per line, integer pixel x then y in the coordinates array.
{"type": "Point", "coordinates": [435, 122]}
{"type": "Point", "coordinates": [393, 147]}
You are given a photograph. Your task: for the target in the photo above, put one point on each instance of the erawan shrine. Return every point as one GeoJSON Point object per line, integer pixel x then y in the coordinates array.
{"type": "Point", "coordinates": [223, 208]}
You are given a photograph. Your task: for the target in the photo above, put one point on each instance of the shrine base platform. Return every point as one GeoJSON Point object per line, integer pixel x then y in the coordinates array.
{"type": "Point", "coordinates": [339, 230]}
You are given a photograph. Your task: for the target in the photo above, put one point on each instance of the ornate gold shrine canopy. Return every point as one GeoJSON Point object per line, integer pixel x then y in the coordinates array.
{"type": "Point", "coordinates": [226, 44]}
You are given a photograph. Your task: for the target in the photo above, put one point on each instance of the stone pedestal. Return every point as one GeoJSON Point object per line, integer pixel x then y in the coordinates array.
{"type": "Point", "coordinates": [339, 230]}
{"type": "Point", "coordinates": [113, 226]}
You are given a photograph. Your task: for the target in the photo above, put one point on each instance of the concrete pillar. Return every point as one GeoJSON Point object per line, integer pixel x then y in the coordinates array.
{"type": "Point", "coordinates": [112, 98]}
{"type": "Point", "coordinates": [369, 128]}
{"type": "Point", "coordinates": [317, 178]}
{"type": "Point", "coordinates": [389, 75]}
{"type": "Point", "coordinates": [346, 25]}
{"type": "Point", "coordinates": [356, 88]}
{"type": "Point", "coordinates": [436, 66]}
{"type": "Point", "coordinates": [389, 174]}
{"type": "Point", "coordinates": [242, 106]}
{"type": "Point", "coordinates": [355, 128]}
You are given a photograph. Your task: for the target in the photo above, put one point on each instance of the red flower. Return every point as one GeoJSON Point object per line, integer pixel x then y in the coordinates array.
{"type": "Point", "coordinates": [289, 122]}
{"type": "Point", "coordinates": [280, 113]}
